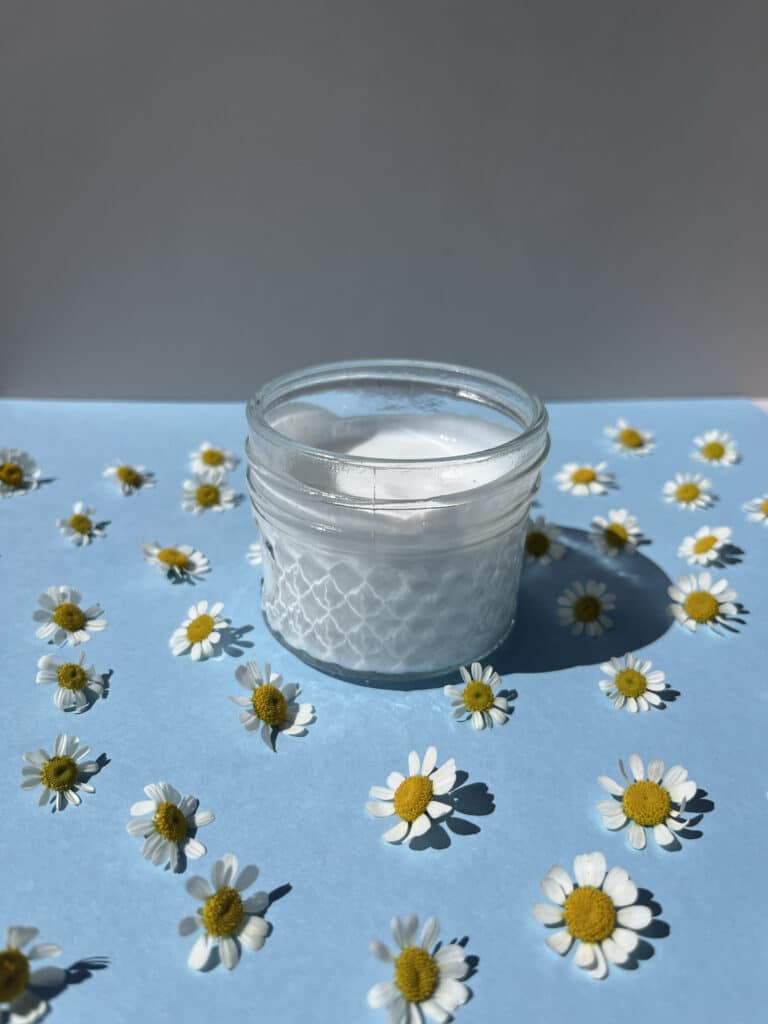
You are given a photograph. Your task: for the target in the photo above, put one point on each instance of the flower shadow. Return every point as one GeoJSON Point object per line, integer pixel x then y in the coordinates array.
{"type": "Point", "coordinates": [729, 554]}
{"type": "Point", "coordinates": [232, 642]}
{"type": "Point", "coordinates": [55, 980]}
{"type": "Point", "coordinates": [474, 799]}
{"type": "Point", "coordinates": [656, 929]}
{"type": "Point", "coordinates": [276, 894]}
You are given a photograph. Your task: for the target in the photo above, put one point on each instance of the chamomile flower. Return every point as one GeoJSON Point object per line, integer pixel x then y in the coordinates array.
{"type": "Point", "coordinates": [127, 478]}
{"type": "Point", "coordinates": [62, 618]}
{"type": "Point", "coordinates": [427, 980]}
{"type": "Point", "coordinates": [209, 456]}
{"type": "Point", "coordinates": [689, 490]}
{"type": "Point", "coordinates": [18, 472]}
{"type": "Point", "coordinates": [632, 685]}
{"type": "Point", "coordinates": [582, 607]}
{"type": "Point", "coordinates": [478, 699]}
{"type": "Point", "coordinates": [630, 440]}
{"type": "Point", "coordinates": [618, 533]}
{"type": "Point", "coordinates": [177, 562]}
{"type": "Point", "coordinates": [656, 802]}
{"type": "Point", "coordinates": [208, 491]}
{"type": "Point", "coordinates": [168, 824]}
{"type": "Point", "coordinates": [414, 799]}
{"type": "Point", "coordinates": [270, 706]}
{"type": "Point", "coordinates": [254, 553]}
{"type": "Point", "coordinates": [582, 478]}
{"type": "Point", "coordinates": [697, 601]}
{"type": "Point", "coordinates": [757, 510]}
{"type": "Point", "coordinates": [542, 542]}
{"type": "Point", "coordinates": [706, 545]}
{"type": "Point", "coordinates": [80, 528]}
{"type": "Point", "coordinates": [62, 775]}
{"type": "Point", "coordinates": [716, 448]}
{"type": "Point", "coordinates": [77, 685]}
{"type": "Point", "coordinates": [228, 918]}
{"type": "Point", "coordinates": [600, 913]}
{"type": "Point", "coordinates": [20, 985]}
{"type": "Point", "coordinates": [201, 631]}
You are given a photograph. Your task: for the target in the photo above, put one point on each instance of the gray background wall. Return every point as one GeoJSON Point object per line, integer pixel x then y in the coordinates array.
{"type": "Point", "coordinates": [198, 195]}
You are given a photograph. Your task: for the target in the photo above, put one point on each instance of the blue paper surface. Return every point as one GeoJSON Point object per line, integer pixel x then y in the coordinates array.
{"type": "Point", "coordinates": [299, 814]}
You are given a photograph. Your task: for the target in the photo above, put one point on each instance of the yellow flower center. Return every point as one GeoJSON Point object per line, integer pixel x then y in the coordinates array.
{"type": "Point", "coordinates": [416, 974]}
{"type": "Point", "coordinates": [586, 608]}
{"type": "Point", "coordinates": [630, 683]}
{"type": "Point", "coordinates": [81, 523]}
{"type": "Point", "coordinates": [269, 704]}
{"type": "Point", "coordinates": [207, 495]}
{"type": "Point", "coordinates": [59, 773]}
{"type": "Point", "coordinates": [646, 802]}
{"type": "Point", "coordinates": [69, 616]}
{"type": "Point", "coordinates": [477, 696]}
{"type": "Point", "coordinates": [212, 457]}
{"type": "Point", "coordinates": [14, 974]}
{"type": "Point", "coordinates": [631, 438]}
{"type": "Point", "coordinates": [170, 822]}
{"type": "Point", "coordinates": [537, 543]}
{"type": "Point", "coordinates": [704, 544]}
{"type": "Point", "coordinates": [687, 492]}
{"type": "Point", "coordinates": [713, 450]}
{"type": "Point", "coordinates": [11, 474]}
{"type": "Point", "coordinates": [71, 676]}
{"type": "Point", "coordinates": [172, 557]}
{"type": "Point", "coordinates": [412, 797]}
{"type": "Point", "coordinates": [701, 606]}
{"type": "Point", "coordinates": [223, 912]}
{"type": "Point", "coordinates": [616, 535]}
{"type": "Point", "coordinates": [128, 475]}
{"type": "Point", "coordinates": [764, 506]}
{"type": "Point", "coordinates": [589, 913]}
{"type": "Point", "coordinates": [200, 628]}
{"type": "Point", "coordinates": [583, 475]}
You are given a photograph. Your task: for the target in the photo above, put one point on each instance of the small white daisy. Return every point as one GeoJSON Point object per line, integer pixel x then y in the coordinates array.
{"type": "Point", "coordinates": [697, 601]}
{"type": "Point", "coordinates": [61, 776]}
{"type": "Point", "coordinates": [229, 919]}
{"type": "Point", "coordinates": [617, 533]}
{"type": "Point", "coordinates": [168, 823]}
{"type": "Point", "coordinates": [706, 545]}
{"type": "Point", "coordinates": [477, 699]}
{"type": "Point", "coordinates": [542, 542]}
{"type": "Point", "coordinates": [209, 456]}
{"type": "Point", "coordinates": [176, 562]}
{"type": "Point", "coordinates": [600, 913]}
{"type": "Point", "coordinates": [18, 472]}
{"type": "Point", "coordinates": [254, 553]}
{"type": "Point", "coordinates": [630, 440]}
{"type": "Point", "coordinates": [208, 491]}
{"type": "Point", "coordinates": [80, 528]}
{"type": "Point", "coordinates": [270, 707]}
{"type": "Point", "coordinates": [583, 607]}
{"type": "Point", "coordinates": [656, 802]}
{"type": "Point", "coordinates": [427, 980]}
{"type": "Point", "coordinates": [20, 986]}
{"type": "Point", "coordinates": [77, 685]}
{"type": "Point", "coordinates": [716, 448]}
{"type": "Point", "coordinates": [689, 490]}
{"type": "Point", "coordinates": [201, 631]}
{"type": "Point", "coordinates": [757, 510]}
{"type": "Point", "coordinates": [581, 479]}
{"type": "Point", "coordinates": [63, 620]}
{"type": "Point", "coordinates": [127, 478]}
{"type": "Point", "coordinates": [632, 685]}
{"type": "Point", "coordinates": [413, 799]}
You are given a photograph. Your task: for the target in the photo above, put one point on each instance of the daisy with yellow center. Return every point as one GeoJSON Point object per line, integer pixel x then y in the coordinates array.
{"type": "Point", "coordinates": [583, 607]}
{"type": "Point", "coordinates": [757, 510]}
{"type": "Point", "coordinates": [208, 492]}
{"type": "Point", "coordinates": [18, 472]}
{"type": "Point", "coordinates": [270, 707]}
{"type": "Point", "coordinates": [415, 799]}
{"type": "Point", "coordinates": [630, 440]}
{"type": "Point", "coordinates": [716, 448]}
{"type": "Point", "coordinates": [127, 478]}
{"type": "Point", "coordinates": [62, 775]}
{"type": "Point", "coordinates": [689, 490]}
{"type": "Point", "coordinates": [618, 533]}
{"type": "Point", "coordinates": [179, 562]}
{"type": "Point", "coordinates": [168, 823]}
{"type": "Point", "coordinates": [655, 802]}
{"type": "Point", "coordinates": [582, 478]}
{"type": "Point", "coordinates": [706, 545]}
{"type": "Point", "coordinates": [200, 632]}
{"type": "Point", "coordinates": [254, 554]}
{"type": "Point", "coordinates": [62, 618]}
{"type": "Point", "coordinates": [21, 987]}
{"type": "Point", "coordinates": [477, 699]}
{"type": "Point", "coordinates": [81, 527]}
{"type": "Point", "coordinates": [211, 456]}
{"type": "Point", "coordinates": [697, 601]}
{"type": "Point", "coordinates": [427, 980]}
{"type": "Point", "coordinates": [600, 913]}
{"type": "Point", "coordinates": [77, 686]}
{"type": "Point", "coordinates": [541, 543]}
{"type": "Point", "coordinates": [229, 918]}
{"type": "Point", "coordinates": [632, 685]}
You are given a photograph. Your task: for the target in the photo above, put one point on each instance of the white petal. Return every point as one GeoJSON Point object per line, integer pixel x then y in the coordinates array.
{"type": "Point", "coordinates": [381, 994]}
{"type": "Point", "coordinates": [430, 760]}
{"type": "Point", "coordinates": [200, 953]}
{"type": "Point", "coordinates": [560, 941]}
{"type": "Point", "coordinates": [229, 952]}
{"type": "Point", "coordinates": [636, 836]}
{"type": "Point", "coordinates": [635, 916]}
{"type": "Point", "coordinates": [620, 887]}
{"type": "Point", "coordinates": [198, 888]}
{"type": "Point", "coordinates": [562, 877]}
{"type": "Point", "coordinates": [397, 832]}
{"type": "Point", "coordinates": [589, 868]}
{"type": "Point", "coordinates": [546, 913]}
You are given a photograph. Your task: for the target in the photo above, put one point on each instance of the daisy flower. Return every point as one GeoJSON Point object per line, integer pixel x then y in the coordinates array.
{"type": "Point", "coordinates": [208, 456]}
{"type": "Point", "coordinates": [541, 542]}
{"type": "Point", "coordinates": [413, 799]}
{"type": "Point", "coordinates": [656, 802]}
{"type": "Point", "coordinates": [600, 912]}
{"type": "Point", "coordinates": [270, 707]}
{"type": "Point", "coordinates": [77, 686]}
{"type": "Point", "coordinates": [18, 472]}
{"type": "Point", "coordinates": [62, 618]}
{"type": "Point", "coordinates": [80, 527]}
{"type": "Point", "coordinates": [129, 478]}
{"type": "Point", "coordinates": [757, 510]}
{"type": "Point", "coordinates": [632, 685]}
{"type": "Point", "coordinates": [201, 631]}
{"type": "Point", "coordinates": [477, 699]}
{"type": "Point", "coordinates": [168, 823]}
{"type": "Point", "coordinates": [619, 532]}
{"type": "Point", "coordinates": [229, 919]}
{"type": "Point", "coordinates": [19, 984]}
{"type": "Point", "coordinates": [61, 776]}
{"type": "Point", "coordinates": [254, 553]}
{"type": "Point", "coordinates": [689, 490]}
{"type": "Point", "coordinates": [177, 562]}
{"type": "Point", "coordinates": [697, 601]}
{"type": "Point", "coordinates": [208, 490]}
{"type": "Point", "coordinates": [581, 478]}
{"type": "Point", "coordinates": [706, 545]}
{"type": "Point", "coordinates": [427, 980]}
{"type": "Point", "coordinates": [631, 440]}
{"type": "Point", "coordinates": [583, 608]}
{"type": "Point", "coordinates": [716, 448]}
